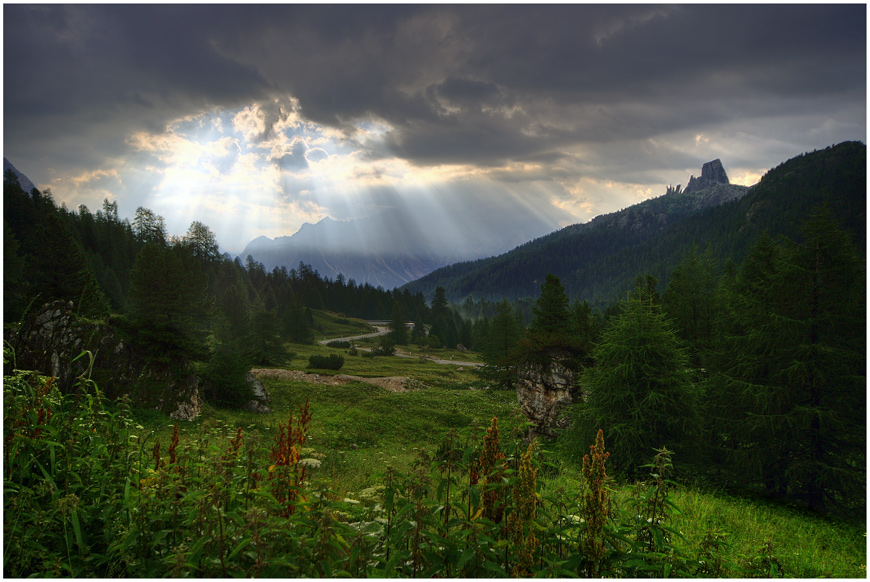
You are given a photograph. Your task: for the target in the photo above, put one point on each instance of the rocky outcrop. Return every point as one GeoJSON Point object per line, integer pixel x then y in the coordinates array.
{"type": "Point", "coordinates": [712, 173]}
{"type": "Point", "coordinates": [259, 403]}
{"type": "Point", "coordinates": [710, 190]}
{"type": "Point", "coordinates": [55, 341]}
{"type": "Point", "coordinates": [545, 390]}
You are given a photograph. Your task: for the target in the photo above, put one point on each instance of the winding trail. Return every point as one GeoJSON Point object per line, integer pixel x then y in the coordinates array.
{"type": "Point", "coordinates": [383, 330]}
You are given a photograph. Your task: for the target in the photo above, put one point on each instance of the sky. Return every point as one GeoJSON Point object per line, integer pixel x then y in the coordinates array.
{"type": "Point", "coordinates": [257, 119]}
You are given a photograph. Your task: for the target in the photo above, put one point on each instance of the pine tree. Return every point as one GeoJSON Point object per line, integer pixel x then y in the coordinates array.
{"type": "Point", "coordinates": [169, 306]}
{"type": "Point", "coordinates": [688, 301]}
{"type": "Point", "coordinates": [398, 324]}
{"type": "Point", "coordinates": [265, 347]}
{"type": "Point", "coordinates": [639, 391]}
{"type": "Point", "coordinates": [792, 381]}
{"type": "Point", "coordinates": [499, 352]}
{"type": "Point", "coordinates": [550, 313]}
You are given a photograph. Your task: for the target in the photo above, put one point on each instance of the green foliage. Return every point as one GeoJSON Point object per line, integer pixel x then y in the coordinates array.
{"type": "Point", "coordinates": [225, 377]}
{"type": "Point", "coordinates": [339, 344]}
{"type": "Point", "coordinates": [398, 324]}
{"type": "Point", "coordinates": [551, 334]}
{"type": "Point", "coordinates": [500, 344]}
{"type": "Point", "coordinates": [639, 390]}
{"type": "Point", "coordinates": [169, 307]}
{"type": "Point", "coordinates": [265, 346]}
{"type": "Point", "coordinates": [550, 313]}
{"type": "Point", "coordinates": [89, 493]}
{"type": "Point", "coordinates": [57, 266]}
{"type": "Point", "coordinates": [791, 391]}
{"type": "Point", "coordinates": [330, 362]}
{"type": "Point", "coordinates": [689, 302]}
{"type": "Point", "coordinates": [386, 347]}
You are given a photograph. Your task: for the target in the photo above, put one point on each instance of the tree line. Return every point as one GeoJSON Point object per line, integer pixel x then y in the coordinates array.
{"type": "Point", "coordinates": [177, 297]}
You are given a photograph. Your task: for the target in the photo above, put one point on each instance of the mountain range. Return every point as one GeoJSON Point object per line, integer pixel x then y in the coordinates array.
{"type": "Point", "coordinates": [394, 246]}
{"type": "Point", "coordinates": [598, 261]}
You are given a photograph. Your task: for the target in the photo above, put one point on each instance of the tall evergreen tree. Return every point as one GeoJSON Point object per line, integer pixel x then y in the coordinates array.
{"type": "Point", "coordinates": [689, 301]}
{"type": "Point", "coordinates": [398, 324]}
{"type": "Point", "coordinates": [169, 306]}
{"type": "Point", "coordinates": [500, 349]}
{"type": "Point", "coordinates": [639, 391]}
{"type": "Point", "coordinates": [792, 385]}
{"type": "Point", "coordinates": [550, 313]}
{"type": "Point", "coordinates": [264, 343]}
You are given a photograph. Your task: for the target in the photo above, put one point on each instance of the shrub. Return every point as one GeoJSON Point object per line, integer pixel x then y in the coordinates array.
{"type": "Point", "coordinates": [339, 344]}
{"type": "Point", "coordinates": [386, 348]}
{"type": "Point", "coordinates": [330, 362]}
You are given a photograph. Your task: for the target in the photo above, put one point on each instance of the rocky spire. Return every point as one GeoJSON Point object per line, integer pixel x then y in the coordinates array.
{"type": "Point", "coordinates": [712, 173]}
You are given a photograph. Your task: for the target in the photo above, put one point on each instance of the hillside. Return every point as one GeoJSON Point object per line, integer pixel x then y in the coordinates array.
{"type": "Point", "coordinates": [599, 260]}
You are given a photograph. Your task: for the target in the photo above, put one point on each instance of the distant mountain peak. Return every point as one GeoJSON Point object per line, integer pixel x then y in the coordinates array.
{"type": "Point", "coordinates": [712, 173]}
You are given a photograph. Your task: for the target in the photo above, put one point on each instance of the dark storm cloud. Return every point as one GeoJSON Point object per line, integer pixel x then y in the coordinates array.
{"type": "Point", "coordinates": [465, 84]}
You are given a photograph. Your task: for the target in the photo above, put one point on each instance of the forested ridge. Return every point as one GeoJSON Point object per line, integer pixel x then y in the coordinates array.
{"type": "Point", "coordinates": [598, 261]}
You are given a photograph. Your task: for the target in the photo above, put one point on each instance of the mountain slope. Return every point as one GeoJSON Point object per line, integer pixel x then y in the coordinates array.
{"type": "Point", "coordinates": [598, 261]}
{"type": "Point", "coordinates": [23, 180]}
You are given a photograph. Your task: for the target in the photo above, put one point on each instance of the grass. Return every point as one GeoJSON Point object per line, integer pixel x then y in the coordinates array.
{"type": "Point", "coordinates": [328, 324]}
{"type": "Point", "coordinates": [359, 430]}
{"type": "Point", "coordinates": [808, 545]}
{"type": "Point", "coordinates": [427, 372]}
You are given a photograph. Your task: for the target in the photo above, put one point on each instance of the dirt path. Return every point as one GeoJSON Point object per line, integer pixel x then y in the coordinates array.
{"type": "Point", "coordinates": [381, 331]}
{"type": "Point", "coordinates": [391, 383]}
{"type": "Point", "coordinates": [384, 331]}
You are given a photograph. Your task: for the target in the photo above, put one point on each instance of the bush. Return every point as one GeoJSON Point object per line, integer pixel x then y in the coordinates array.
{"type": "Point", "coordinates": [339, 344]}
{"type": "Point", "coordinates": [387, 347]}
{"type": "Point", "coordinates": [330, 362]}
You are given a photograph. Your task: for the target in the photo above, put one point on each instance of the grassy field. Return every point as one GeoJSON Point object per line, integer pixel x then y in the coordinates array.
{"type": "Point", "coordinates": [359, 430]}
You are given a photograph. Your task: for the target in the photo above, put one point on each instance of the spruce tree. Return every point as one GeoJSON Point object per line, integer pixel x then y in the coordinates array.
{"type": "Point", "coordinates": [168, 304]}
{"type": "Point", "coordinates": [550, 313]}
{"type": "Point", "coordinates": [398, 323]}
{"type": "Point", "coordinates": [791, 382]}
{"type": "Point", "coordinates": [499, 352]}
{"type": "Point", "coordinates": [688, 301]}
{"type": "Point", "coordinates": [639, 391]}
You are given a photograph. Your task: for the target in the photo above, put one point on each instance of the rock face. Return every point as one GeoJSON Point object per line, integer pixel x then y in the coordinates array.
{"type": "Point", "coordinates": [544, 392]}
{"type": "Point", "coordinates": [259, 404]}
{"type": "Point", "coordinates": [712, 173]}
{"type": "Point", "coordinates": [50, 339]}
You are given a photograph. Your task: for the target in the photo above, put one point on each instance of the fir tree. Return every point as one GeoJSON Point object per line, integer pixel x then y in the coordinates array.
{"type": "Point", "coordinates": [792, 383]}
{"type": "Point", "coordinates": [169, 306]}
{"type": "Point", "coordinates": [398, 324]}
{"type": "Point", "coordinates": [639, 391]}
{"type": "Point", "coordinates": [499, 353]}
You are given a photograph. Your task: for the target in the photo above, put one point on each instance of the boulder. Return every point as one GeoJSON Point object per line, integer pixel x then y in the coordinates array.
{"type": "Point", "coordinates": [258, 403]}
{"type": "Point", "coordinates": [545, 391]}
{"type": "Point", "coordinates": [55, 341]}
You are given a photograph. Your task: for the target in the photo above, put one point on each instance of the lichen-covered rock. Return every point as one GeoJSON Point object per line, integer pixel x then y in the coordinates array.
{"type": "Point", "coordinates": [258, 404]}
{"type": "Point", "coordinates": [545, 390]}
{"type": "Point", "coordinates": [55, 341]}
